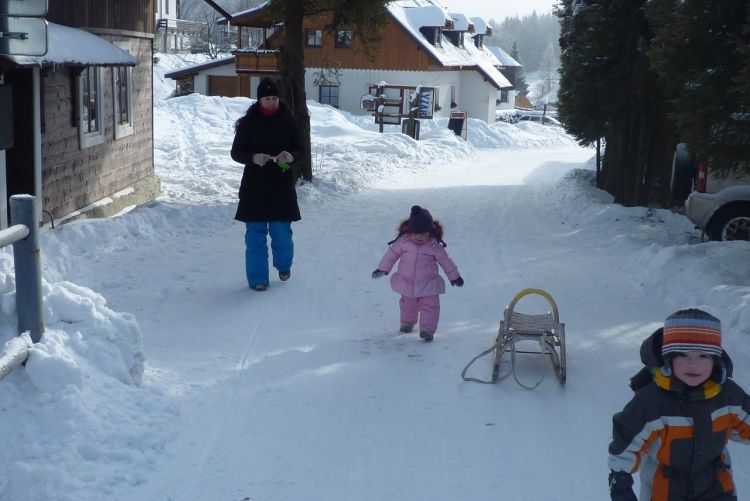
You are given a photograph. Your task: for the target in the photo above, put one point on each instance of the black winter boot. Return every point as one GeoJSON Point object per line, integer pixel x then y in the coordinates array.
{"type": "Point", "coordinates": [427, 335]}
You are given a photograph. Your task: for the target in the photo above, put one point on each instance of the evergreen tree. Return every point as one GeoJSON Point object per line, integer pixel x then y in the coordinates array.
{"type": "Point", "coordinates": [533, 33]}
{"type": "Point", "coordinates": [608, 90]}
{"type": "Point", "coordinates": [583, 99]}
{"type": "Point", "coordinates": [520, 77]}
{"type": "Point", "coordinates": [700, 51]}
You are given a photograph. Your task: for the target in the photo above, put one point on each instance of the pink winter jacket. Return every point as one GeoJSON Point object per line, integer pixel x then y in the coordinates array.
{"type": "Point", "coordinates": [417, 274]}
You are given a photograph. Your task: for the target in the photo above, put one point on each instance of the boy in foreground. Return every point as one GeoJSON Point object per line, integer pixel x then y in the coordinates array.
{"type": "Point", "coordinates": [685, 409]}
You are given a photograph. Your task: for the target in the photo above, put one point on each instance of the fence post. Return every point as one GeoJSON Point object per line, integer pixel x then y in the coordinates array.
{"type": "Point", "coordinates": [28, 268]}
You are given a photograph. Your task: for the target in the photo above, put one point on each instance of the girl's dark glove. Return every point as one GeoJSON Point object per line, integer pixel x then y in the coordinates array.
{"type": "Point", "coordinates": [378, 273]}
{"type": "Point", "coordinates": [458, 282]}
{"type": "Point", "coordinates": [621, 486]}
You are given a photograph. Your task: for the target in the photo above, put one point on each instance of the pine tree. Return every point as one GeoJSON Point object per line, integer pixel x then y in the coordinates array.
{"type": "Point", "coordinates": [520, 81]}
{"type": "Point", "coordinates": [607, 89]}
{"type": "Point", "coordinates": [700, 52]}
{"type": "Point", "coordinates": [583, 98]}
{"type": "Point", "coordinates": [532, 33]}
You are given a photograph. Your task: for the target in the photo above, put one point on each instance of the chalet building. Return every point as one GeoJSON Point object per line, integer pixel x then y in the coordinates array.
{"type": "Point", "coordinates": [423, 45]}
{"type": "Point", "coordinates": [509, 67]}
{"type": "Point", "coordinates": [82, 114]}
{"type": "Point", "coordinates": [174, 35]}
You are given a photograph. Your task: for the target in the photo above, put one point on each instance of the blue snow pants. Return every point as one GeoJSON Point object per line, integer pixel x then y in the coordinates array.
{"type": "Point", "coordinates": [256, 250]}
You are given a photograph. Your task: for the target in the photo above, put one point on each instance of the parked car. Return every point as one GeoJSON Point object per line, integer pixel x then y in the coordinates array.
{"type": "Point", "coordinates": [717, 205]}
{"type": "Point", "coordinates": [544, 120]}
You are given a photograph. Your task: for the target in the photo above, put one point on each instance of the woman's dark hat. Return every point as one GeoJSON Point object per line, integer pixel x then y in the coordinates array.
{"type": "Point", "coordinates": [267, 87]}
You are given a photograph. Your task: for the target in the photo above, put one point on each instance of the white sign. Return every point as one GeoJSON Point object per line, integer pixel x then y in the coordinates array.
{"type": "Point", "coordinates": [23, 8]}
{"type": "Point", "coordinates": [23, 36]}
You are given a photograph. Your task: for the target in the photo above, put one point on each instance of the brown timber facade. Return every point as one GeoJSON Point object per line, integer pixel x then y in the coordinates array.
{"type": "Point", "coordinates": [117, 165]}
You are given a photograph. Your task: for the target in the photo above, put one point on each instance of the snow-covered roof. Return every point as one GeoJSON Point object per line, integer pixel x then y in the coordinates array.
{"type": "Point", "coordinates": [253, 10]}
{"type": "Point", "coordinates": [66, 45]}
{"type": "Point", "coordinates": [413, 15]}
{"type": "Point", "coordinates": [198, 67]}
{"type": "Point", "coordinates": [420, 16]}
{"type": "Point", "coordinates": [505, 59]}
{"type": "Point", "coordinates": [480, 26]}
{"type": "Point", "coordinates": [487, 63]}
{"type": "Point", "coordinates": [460, 21]}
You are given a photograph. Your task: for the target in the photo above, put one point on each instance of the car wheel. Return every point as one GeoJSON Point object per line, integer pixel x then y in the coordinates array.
{"type": "Point", "coordinates": [683, 174]}
{"type": "Point", "coordinates": [731, 222]}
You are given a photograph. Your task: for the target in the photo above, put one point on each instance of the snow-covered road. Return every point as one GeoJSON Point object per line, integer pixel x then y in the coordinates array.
{"type": "Point", "coordinates": [307, 391]}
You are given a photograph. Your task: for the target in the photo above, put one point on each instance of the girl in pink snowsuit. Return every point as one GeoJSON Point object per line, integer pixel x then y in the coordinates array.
{"type": "Point", "coordinates": [419, 248]}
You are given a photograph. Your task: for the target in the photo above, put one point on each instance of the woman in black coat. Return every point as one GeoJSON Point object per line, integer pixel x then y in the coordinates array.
{"type": "Point", "coordinates": [267, 140]}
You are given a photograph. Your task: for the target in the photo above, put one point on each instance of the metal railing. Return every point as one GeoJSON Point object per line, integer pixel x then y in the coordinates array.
{"type": "Point", "coordinates": [24, 237]}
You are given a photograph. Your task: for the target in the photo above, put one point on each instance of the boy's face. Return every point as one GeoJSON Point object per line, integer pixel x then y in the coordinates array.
{"type": "Point", "coordinates": [692, 368]}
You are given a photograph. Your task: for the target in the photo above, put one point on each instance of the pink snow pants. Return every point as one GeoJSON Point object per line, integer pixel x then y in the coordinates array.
{"type": "Point", "coordinates": [427, 308]}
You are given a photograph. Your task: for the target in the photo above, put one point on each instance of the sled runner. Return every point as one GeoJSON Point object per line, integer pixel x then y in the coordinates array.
{"type": "Point", "coordinates": [544, 329]}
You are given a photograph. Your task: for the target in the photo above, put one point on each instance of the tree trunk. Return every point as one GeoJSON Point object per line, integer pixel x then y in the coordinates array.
{"type": "Point", "coordinates": [293, 79]}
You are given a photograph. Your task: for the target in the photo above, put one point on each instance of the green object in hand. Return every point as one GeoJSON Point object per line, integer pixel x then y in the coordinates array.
{"type": "Point", "coordinates": [283, 165]}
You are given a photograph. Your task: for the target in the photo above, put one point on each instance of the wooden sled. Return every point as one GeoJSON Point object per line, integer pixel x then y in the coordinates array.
{"type": "Point", "coordinates": [544, 329]}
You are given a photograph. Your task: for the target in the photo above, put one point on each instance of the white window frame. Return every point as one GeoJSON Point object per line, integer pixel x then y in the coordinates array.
{"type": "Point", "coordinates": [93, 138]}
{"type": "Point", "coordinates": [122, 129]}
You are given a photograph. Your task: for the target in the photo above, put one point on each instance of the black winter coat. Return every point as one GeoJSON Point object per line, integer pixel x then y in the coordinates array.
{"type": "Point", "coordinates": [677, 435]}
{"type": "Point", "coordinates": [267, 192]}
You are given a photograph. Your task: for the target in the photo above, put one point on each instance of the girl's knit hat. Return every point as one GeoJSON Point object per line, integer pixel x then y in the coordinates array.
{"type": "Point", "coordinates": [691, 330]}
{"type": "Point", "coordinates": [420, 220]}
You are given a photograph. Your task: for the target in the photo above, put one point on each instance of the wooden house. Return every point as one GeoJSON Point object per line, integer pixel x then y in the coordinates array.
{"type": "Point", "coordinates": [82, 114]}
{"type": "Point", "coordinates": [422, 45]}
{"type": "Point", "coordinates": [509, 67]}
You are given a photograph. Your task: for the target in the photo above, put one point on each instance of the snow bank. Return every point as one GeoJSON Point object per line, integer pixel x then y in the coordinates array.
{"type": "Point", "coordinates": [77, 402]}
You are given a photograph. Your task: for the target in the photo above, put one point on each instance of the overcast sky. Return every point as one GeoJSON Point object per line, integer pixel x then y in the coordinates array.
{"type": "Point", "coordinates": [499, 9]}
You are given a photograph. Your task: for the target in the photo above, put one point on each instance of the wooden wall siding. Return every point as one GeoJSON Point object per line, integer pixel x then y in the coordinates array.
{"type": "Point", "coordinates": [258, 61]}
{"type": "Point", "coordinates": [73, 177]}
{"type": "Point", "coordinates": [244, 85]}
{"type": "Point", "coordinates": [223, 85]}
{"type": "Point", "coordinates": [131, 15]}
{"type": "Point", "coordinates": [397, 51]}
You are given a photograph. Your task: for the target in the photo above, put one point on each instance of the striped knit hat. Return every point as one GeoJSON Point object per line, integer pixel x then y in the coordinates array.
{"type": "Point", "coordinates": [691, 330]}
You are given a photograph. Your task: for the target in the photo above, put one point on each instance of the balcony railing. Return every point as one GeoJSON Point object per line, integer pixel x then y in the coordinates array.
{"type": "Point", "coordinates": [258, 61]}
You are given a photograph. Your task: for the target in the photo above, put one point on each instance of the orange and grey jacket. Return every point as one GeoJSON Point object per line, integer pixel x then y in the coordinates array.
{"type": "Point", "coordinates": [677, 435]}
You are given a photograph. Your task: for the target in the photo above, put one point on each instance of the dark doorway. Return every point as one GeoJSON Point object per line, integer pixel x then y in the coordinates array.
{"type": "Point", "coordinates": [20, 158]}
